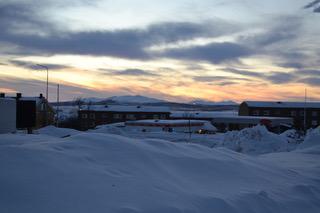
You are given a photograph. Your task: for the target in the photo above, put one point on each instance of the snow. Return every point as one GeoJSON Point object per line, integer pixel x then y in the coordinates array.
{"type": "Point", "coordinates": [312, 138]}
{"type": "Point", "coordinates": [94, 172]}
{"type": "Point", "coordinates": [57, 132]}
{"type": "Point", "coordinates": [124, 108]}
{"type": "Point", "coordinates": [202, 114]}
{"type": "Point", "coordinates": [134, 99]}
{"type": "Point", "coordinates": [212, 103]}
{"type": "Point", "coordinates": [256, 140]}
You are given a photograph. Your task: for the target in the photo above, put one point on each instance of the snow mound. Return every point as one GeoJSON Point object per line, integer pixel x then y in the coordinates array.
{"type": "Point", "coordinates": [57, 132]}
{"type": "Point", "coordinates": [95, 173]}
{"type": "Point", "coordinates": [255, 140]}
{"type": "Point", "coordinates": [312, 139]}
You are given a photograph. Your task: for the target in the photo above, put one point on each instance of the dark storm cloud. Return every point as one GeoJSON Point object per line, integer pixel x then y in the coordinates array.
{"type": "Point", "coordinates": [214, 52]}
{"type": "Point", "coordinates": [33, 66]}
{"type": "Point", "coordinates": [315, 5]}
{"type": "Point", "coordinates": [129, 72]}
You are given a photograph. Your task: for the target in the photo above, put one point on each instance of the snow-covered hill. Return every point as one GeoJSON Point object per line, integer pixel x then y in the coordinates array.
{"type": "Point", "coordinates": [94, 172]}
{"type": "Point", "coordinates": [134, 99]}
{"type": "Point", "coordinates": [212, 103]}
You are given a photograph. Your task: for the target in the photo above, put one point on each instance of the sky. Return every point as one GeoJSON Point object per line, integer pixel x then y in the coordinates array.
{"type": "Point", "coordinates": [178, 50]}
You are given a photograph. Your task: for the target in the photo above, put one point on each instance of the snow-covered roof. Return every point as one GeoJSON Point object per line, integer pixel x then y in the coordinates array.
{"type": "Point", "coordinates": [167, 122]}
{"type": "Point", "coordinates": [279, 104]}
{"type": "Point", "coordinates": [201, 114]}
{"type": "Point", "coordinates": [125, 108]}
{"type": "Point", "coordinates": [172, 123]}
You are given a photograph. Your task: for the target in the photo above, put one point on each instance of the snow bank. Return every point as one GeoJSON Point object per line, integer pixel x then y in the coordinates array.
{"type": "Point", "coordinates": [255, 140]}
{"type": "Point", "coordinates": [95, 173]}
{"type": "Point", "coordinates": [57, 132]}
{"type": "Point", "coordinates": [312, 139]}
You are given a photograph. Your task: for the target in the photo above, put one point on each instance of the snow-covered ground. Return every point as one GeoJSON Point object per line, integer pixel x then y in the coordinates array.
{"type": "Point", "coordinates": [98, 172]}
{"type": "Point", "coordinates": [256, 140]}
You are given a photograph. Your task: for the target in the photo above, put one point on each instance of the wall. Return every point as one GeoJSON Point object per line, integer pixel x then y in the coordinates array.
{"type": "Point", "coordinates": [7, 115]}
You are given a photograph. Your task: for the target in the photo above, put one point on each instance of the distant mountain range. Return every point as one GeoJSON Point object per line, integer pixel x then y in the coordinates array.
{"type": "Point", "coordinates": [201, 105]}
{"type": "Point", "coordinates": [211, 103]}
{"type": "Point", "coordinates": [126, 99]}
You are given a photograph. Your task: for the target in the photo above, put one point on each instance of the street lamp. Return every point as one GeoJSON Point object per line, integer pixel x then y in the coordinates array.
{"type": "Point", "coordinates": [45, 67]}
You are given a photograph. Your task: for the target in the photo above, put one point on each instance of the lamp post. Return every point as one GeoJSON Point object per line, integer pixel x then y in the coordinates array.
{"type": "Point", "coordinates": [45, 67]}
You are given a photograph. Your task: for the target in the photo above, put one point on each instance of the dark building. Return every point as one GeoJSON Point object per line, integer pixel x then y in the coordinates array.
{"type": "Point", "coordinates": [299, 111]}
{"type": "Point", "coordinates": [32, 112]}
{"type": "Point", "coordinates": [93, 116]}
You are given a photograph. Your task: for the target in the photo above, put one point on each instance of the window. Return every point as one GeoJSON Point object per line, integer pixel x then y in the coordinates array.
{"type": "Point", "coordinates": [84, 116]}
{"type": "Point", "coordinates": [155, 116]}
{"type": "Point", "coordinates": [301, 113]}
{"type": "Point", "coordinates": [104, 115]}
{"type": "Point", "coordinates": [277, 112]}
{"type": "Point", "coordinates": [293, 113]}
{"type": "Point", "coordinates": [314, 123]}
{"type": "Point", "coordinates": [255, 112]}
{"type": "Point", "coordinates": [92, 116]}
{"type": "Point", "coordinates": [130, 117]}
{"type": "Point", "coordinates": [266, 112]}
{"type": "Point", "coordinates": [163, 116]}
{"type": "Point", "coordinates": [117, 116]}
{"type": "Point", "coordinates": [314, 113]}
{"type": "Point", "coordinates": [143, 116]}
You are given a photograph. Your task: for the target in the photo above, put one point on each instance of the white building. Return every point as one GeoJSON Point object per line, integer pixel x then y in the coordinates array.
{"type": "Point", "coordinates": [7, 115]}
{"type": "Point", "coordinates": [185, 126]}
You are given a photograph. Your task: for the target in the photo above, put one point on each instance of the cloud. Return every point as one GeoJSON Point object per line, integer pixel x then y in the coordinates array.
{"type": "Point", "coordinates": [244, 72]}
{"type": "Point", "coordinates": [217, 78]}
{"type": "Point", "coordinates": [129, 72]}
{"type": "Point", "coordinates": [33, 66]}
{"type": "Point", "coordinates": [280, 77]}
{"type": "Point", "coordinates": [214, 52]}
{"type": "Point", "coordinates": [315, 5]}
{"type": "Point", "coordinates": [312, 81]}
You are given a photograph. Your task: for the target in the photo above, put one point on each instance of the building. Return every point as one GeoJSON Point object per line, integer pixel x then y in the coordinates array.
{"type": "Point", "coordinates": [94, 115]}
{"type": "Point", "coordinates": [274, 124]}
{"type": "Point", "coordinates": [300, 112]}
{"type": "Point", "coordinates": [182, 126]}
{"type": "Point", "coordinates": [7, 115]}
{"type": "Point", "coordinates": [31, 112]}
{"type": "Point", "coordinates": [230, 120]}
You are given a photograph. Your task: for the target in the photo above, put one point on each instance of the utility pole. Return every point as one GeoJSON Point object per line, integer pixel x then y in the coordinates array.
{"type": "Point", "coordinates": [305, 112]}
{"type": "Point", "coordinates": [58, 103]}
{"type": "Point", "coordinates": [47, 91]}
{"type": "Point", "coordinates": [45, 67]}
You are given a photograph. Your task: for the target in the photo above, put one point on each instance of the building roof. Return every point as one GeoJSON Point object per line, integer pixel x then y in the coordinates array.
{"type": "Point", "coordinates": [252, 120]}
{"type": "Point", "coordinates": [201, 114]}
{"type": "Point", "coordinates": [125, 108]}
{"type": "Point", "coordinates": [280, 104]}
